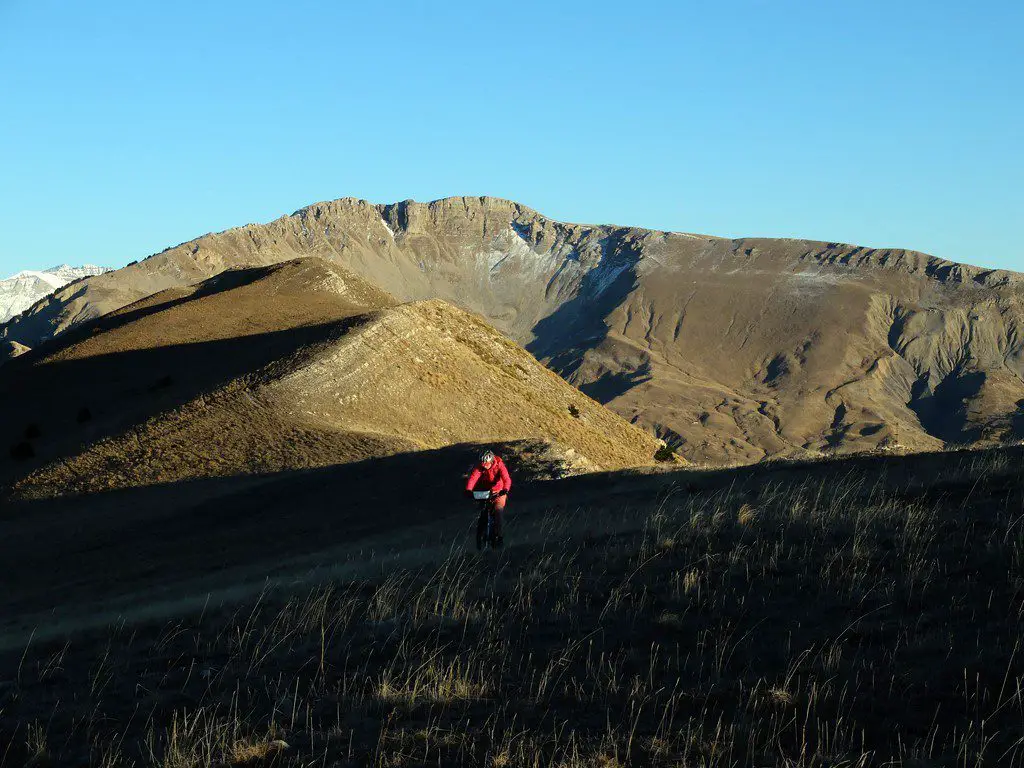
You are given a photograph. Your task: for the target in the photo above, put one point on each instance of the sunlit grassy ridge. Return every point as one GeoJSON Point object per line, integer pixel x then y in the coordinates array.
{"type": "Point", "coordinates": [842, 618]}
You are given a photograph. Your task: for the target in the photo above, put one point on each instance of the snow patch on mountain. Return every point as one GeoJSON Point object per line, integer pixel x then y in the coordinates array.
{"type": "Point", "coordinates": [20, 291]}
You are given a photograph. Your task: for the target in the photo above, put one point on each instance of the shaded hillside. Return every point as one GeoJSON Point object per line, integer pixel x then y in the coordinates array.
{"type": "Point", "coordinates": [730, 349]}
{"type": "Point", "coordinates": [273, 368]}
{"type": "Point", "coordinates": [856, 612]}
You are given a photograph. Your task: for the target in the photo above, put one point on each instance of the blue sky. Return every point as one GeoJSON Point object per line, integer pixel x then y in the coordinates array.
{"type": "Point", "coordinates": [127, 127]}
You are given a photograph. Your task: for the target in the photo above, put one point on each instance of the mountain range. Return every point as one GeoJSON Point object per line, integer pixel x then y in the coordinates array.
{"type": "Point", "coordinates": [731, 350]}
{"type": "Point", "coordinates": [19, 292]}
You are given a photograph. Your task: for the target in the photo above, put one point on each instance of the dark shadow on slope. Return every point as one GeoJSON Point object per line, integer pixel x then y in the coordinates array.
{"type": "Point", "coordinates": [611, 385]}
{"type": "Point", "coordinates": [60, 552]}
{"type": "Point", "coordinates": [778, 368]}
{"type": "Point", "coordinates": [225, 281]}
{"type": "Point", "coordinates": [1017, 421]}
{"type": "Point", "coordinates": [562, 338]}
{"type": "Point", "coordinates": [786, 598]}
{"type": "Point", "coordinates": [123, 389]}
{"type": "Point", "coordinates": [65, 555]}
{"type": "Point", "coordinates": [943, 413]}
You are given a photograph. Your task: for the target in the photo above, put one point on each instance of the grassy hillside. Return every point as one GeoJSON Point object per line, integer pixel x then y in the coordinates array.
{"type": "Point", "coordinates": [257, 371]}
{"type": "Point", "coordinates": [853, 613]}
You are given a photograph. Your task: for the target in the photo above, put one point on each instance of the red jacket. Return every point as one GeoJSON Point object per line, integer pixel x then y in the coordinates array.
{"type": "Point", "coordinates": [494, 479]}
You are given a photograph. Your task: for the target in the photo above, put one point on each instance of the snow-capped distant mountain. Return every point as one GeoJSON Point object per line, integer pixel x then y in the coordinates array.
{"type": "Point", "coordinates": [21, 291]}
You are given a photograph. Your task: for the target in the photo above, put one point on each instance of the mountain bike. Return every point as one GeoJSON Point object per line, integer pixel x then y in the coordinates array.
{"type": "Point", "coordinates": [486, 536]}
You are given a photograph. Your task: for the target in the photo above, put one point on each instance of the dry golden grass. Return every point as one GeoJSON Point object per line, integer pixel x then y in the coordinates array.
{"type": "Point", "coordinates": [432, 682]}
{"type": "Point", "coordinates": [857, 620]}
{"type": "Point", "coordinates": [246, 753]}
{"type": "Point", "coordinates": [746, 515]}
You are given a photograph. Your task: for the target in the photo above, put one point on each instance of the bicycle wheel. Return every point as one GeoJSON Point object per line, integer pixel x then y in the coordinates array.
{"type": "Point", "coordinates": [483, 528]}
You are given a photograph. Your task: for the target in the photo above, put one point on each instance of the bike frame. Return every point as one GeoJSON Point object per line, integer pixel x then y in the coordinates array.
{"type": "Point", "coordinates": [486, 507]}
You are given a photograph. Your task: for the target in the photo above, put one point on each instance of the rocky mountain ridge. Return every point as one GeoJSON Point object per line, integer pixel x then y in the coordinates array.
{"type": "Point", "coordinates": [732, 350]}
{"type": "Point", "coordinates": [19, 292]}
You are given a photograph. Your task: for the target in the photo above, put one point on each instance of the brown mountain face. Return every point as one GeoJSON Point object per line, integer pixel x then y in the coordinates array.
{"type": "Point", "coordinates": [266, 369]}
{"type": "Point", "coordinates": [730, 349]}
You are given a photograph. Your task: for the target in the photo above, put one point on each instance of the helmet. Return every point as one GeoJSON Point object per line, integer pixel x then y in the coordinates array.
{"type": "Point", "coordinates": [486, 457]}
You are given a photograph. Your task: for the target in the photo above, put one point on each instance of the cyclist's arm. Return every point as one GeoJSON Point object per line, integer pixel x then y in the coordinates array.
{"type": "Point", "coordinates": [473, 477]}
{"type": "Point", "coordinates": [506, 479]}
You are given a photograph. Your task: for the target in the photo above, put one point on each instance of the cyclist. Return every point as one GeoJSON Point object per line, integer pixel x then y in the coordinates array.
{"type": "Point", "coordinates": [490, 474]}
